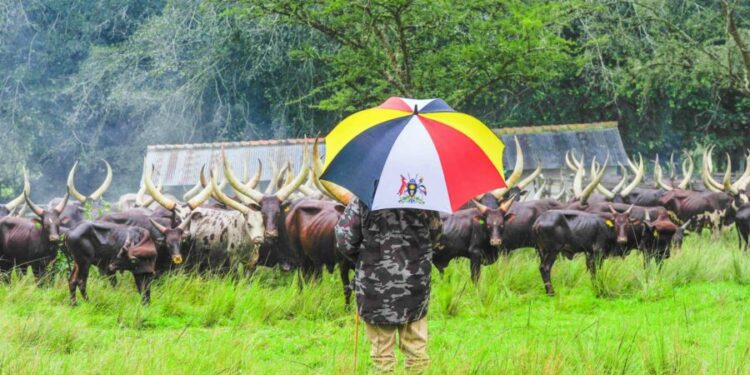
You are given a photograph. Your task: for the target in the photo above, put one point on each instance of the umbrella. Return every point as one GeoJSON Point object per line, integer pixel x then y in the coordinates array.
{"type": "Point", "coordinates": [409, 153]}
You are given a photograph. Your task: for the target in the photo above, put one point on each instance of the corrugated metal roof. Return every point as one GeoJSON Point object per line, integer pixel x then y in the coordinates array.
{"type": "Point", "coordinates": [180, 164]}
{"type": "Point", "coordinates": [550, 146]}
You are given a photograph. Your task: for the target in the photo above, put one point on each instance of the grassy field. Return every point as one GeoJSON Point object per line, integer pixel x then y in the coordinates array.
{"type": "Point", "coordinates": [688, 317]}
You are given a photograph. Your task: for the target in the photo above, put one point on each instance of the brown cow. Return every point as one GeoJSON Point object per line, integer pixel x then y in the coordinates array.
{"type": "Point", "coordinates": [310, 225]}
{"type": "Point", "coordinates": [31, 242]}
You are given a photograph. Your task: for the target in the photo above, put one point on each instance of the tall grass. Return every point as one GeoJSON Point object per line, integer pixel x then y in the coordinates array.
{"type": "Point", "coordinates": [687, 315]}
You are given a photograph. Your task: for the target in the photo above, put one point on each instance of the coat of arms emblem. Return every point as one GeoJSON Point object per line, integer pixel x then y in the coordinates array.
{"type": "Point", "coordinates": [412, 190]}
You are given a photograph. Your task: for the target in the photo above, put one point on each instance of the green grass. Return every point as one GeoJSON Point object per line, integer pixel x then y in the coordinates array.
{"type": "Point", "coordinates": [686, 317]}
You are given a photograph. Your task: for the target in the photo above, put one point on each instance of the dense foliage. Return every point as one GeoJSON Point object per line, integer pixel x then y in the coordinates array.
{"type": "Point", "coordinates": [83, 80]}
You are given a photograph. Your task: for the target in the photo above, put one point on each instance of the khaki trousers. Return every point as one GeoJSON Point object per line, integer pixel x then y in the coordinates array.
{"type": "Point", "coordinates": [412, 342]}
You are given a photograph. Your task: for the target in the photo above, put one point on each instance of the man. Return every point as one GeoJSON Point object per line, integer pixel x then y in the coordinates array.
{"type": "Point", "coordinates": [392, 250]}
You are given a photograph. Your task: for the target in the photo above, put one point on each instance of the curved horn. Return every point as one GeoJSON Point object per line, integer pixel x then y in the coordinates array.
{"type": "Point", "coordinates": [578, 183]}
{"type": "Point", "coordinates": [632, 165]}
{"type": "Point", "coordinates": [612, 209]}
{"type": "Point", "coordinates": [141, 192]}
{"type": "Point", "coordinates": [334, 191]}
{"type": "Point", "coordinates": [158, 196]}
{"type": "Point", "coordinates": [162, 229]}
{"type": "Point", "coordinates": [34, 208]}
{"type": "Point", "coordinates": [601, 188]}
{"type": "Point", "coordinates": [105, 185]}
{"type": "Point", "coordinates": [482, 208]}
{"type": "Point", "coordinates": [620, 185]}
{"type": "Point", "coordinates": [19, 199]}
{"type": "Point", "coordinates": [728, 177]}
{"type": "Point", "coordinates": [526, 181]}
{"type": "Point", "coordinates": [149, 200]}
{"type": "Point", "coordinates": [514, 176]}
{"type": "Point", "coordinates": [191, 193]}
{"type": "Point", "coordinates": [687, 173]}
{"type": "Point", "coordinates": [339, 193]}
{"type": "Point", "coordinates": [639, 174]}
{"type": "Point", "coordinates": [183, 226]}
{"type": "Point", "coordinates": [708, 169]}
{"type": "Point", "coordinates": [518, 168]}
{"type": "Point", "coordinates": [595, 181]}
{"type": "Point", "coordinates": [289, 175]}
{"type": "Point", "coordinates": [201, 197]}
{"type": "Point", "coordinates": [237, 185]}
{"type": "Point", "coordinates": [231, 203]}
{"type": "Point", "coordinates": [658, 175]}
{"type": "Point", "coordinates": [569, 163]}
{"type": "Point", "coordinates": [61, 206]}
{"type": "Point", "coordinates": [202, 177]}
{"type": "Point", "coordinates": [744, 180]}
{"type": "Point", "coordinates": [71, 184]}
{"type": "Point", "coordinates": [505, 206]}
{"type": "Point", "coordinates": [274, 180]}
{"type": "Point", "coordinates": [672, 168]}
{"type": "Point", "coordinates": [317, 171]}
{"type": "Point", "coordinates": [576, 162]}
{"type": "Point", "coordinates": [287, 189]}
{"type": "Point", "coordinates": [630, 209]}
{"type": "Point", "coordinates": [255, 180]}
{"type": "Point", "coordinates": [563, 186]}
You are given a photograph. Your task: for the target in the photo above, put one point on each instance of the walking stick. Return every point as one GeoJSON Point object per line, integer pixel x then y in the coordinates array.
{"type": "Point", "coordinates": [356, 338]}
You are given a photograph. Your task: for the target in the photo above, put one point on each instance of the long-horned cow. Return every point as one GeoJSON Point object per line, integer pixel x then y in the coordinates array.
{"type": "Point", "coordinates": [31, 242]}
{"type": "Point", "coordinates": [275, 249]}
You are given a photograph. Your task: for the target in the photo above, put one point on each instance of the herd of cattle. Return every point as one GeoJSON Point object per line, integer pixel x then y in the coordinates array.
{"type": "Point", "coordinates": [290, 225]}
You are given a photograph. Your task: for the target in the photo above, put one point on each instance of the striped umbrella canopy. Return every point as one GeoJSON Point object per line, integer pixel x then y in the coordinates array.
{"type": "Point", "coordinates": [409, 153]}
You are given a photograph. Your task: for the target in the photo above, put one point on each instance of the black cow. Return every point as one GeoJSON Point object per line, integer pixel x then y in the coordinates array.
{"type": "Point", "coordinates": [31, 242]}
{"type": "Point", "coordinates": [742, 222]}
{"type": "Point", "coordinates": [702, 208]}
{"type": "Point", "coordinates": [570, 232]}
{"type": "Point", "coordinates": [98, 243]}
{"type": "Point", "coordinates": [651, 230]}
{"type": "Point", "coordinates": [473, 233]}
{"type": "Point", "coordinates": [166, 230]}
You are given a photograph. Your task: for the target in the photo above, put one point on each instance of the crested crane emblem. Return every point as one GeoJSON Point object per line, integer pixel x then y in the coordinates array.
{"type": "Point", "coordinates": [412, 190]}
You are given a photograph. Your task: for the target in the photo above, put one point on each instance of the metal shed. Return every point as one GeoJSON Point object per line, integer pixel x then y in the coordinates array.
{"type": "Point", "coordinates": [179, 165]}
{"type": "Point", "coordinates": [548, 144]}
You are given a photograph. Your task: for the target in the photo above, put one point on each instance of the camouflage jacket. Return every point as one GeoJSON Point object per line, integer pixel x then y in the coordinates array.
{"type": "Point", "coordinates": [392, 250]}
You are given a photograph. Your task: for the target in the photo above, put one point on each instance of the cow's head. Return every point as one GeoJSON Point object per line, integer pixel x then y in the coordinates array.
{"type": "Point", "coordinates": [619, 223]}
{"type": "Point", "coordinates": [172, 238]}
{"type": "Point", "coordinates": [493, 220]}
{"type": "Point", "coordinates": [137, 258]}
{"type": "Point", "coordinates": [679, 235]}
{"type": "Point", "coordinates": [50, 220]}
{"type": "Point", "coordinates": [272, 206]}
{"type": "Point", "coordinates": [253, 228]}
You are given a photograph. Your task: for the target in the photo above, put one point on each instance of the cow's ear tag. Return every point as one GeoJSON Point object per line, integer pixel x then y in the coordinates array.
{"type": "Point", "coordinates": [37, 224]}
{"type": "Point", "coordinates": [481, 221]}
{"type": "Point", "coordinates": [656, 233]}
{"type": "Point", "coordinates": [610, 223]}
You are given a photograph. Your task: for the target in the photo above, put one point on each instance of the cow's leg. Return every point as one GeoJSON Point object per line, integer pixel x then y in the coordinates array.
{"type": "Point", "coordinates": [344, 273]}
{"type": "Point", "coordinates": [547, 260]}
{"type": "Point", "coordinates": [83, 276]}
{"type": "Point", "coordinates": [593, 261]}
{"type": "Point", "coordinates": [111, 276]}
{"type": "Point", "coordinates": [143, 283]}
{"type": "Point", "coordinates": [476, 269]}
{"type": "Point", "coordinates": [73, 284]}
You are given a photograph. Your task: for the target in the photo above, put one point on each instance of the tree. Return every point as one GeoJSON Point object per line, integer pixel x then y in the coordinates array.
{"type": "Point", "coordinates": [471, 54]}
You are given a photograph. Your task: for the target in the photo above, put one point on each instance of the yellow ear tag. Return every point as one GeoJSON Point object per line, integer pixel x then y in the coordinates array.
{"type": "Point", "coordinates": [609, 223]}
{"type": "Point", "coordinates": [656, 233]}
